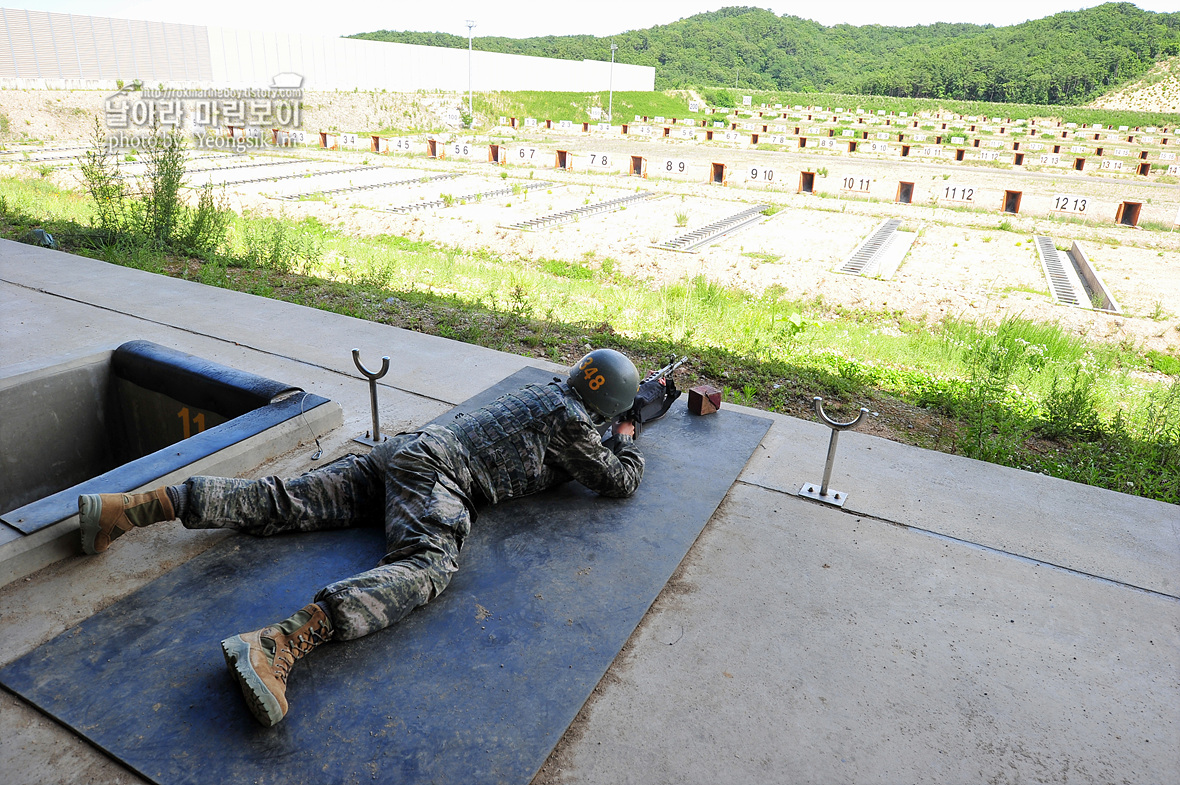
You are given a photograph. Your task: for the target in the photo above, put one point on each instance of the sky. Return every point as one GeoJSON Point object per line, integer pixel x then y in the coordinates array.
{"type": "Point", "coordinates": [527, 18]}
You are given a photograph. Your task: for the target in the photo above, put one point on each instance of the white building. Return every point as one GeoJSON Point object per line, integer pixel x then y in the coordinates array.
{"type": "Point", "coordinates": [39, 49]}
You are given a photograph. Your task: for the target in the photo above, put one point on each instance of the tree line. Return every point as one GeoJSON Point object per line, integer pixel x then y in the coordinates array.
{"type": "Point", "coordinates": [1067, 58]}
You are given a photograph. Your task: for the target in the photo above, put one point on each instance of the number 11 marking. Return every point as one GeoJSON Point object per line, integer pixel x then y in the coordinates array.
{"type": "Point", "coordinates": [187, 424]}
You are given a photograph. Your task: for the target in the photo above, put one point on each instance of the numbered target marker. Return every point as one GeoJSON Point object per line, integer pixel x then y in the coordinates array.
{"type": "Point", "coordinates": [1069, 203]}
{"type": "Point", "coordinates": [761, 174]}
{"type": "Point", "coordinates": [460, 149]}
{"type": "Point", "coordinates": [673, 166]}
{"type": "Point", "coordinates": [858, 184]}
{"type": "Point", "coordinates": [524, 155]}
{"type": "Point", "coordinates": [958, 193]}
{"type": "Point", "coordinates": [599, 160]}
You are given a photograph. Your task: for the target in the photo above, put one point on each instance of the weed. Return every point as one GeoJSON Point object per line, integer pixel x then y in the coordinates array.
{"type": "Point", "coordinates": [1071, 408]}
{"type": "Point", "coordinates": [681, 219]}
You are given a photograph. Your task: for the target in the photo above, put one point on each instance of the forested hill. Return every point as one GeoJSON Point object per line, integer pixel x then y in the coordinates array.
{"type": "Point", "coordinates": [1067, 58]}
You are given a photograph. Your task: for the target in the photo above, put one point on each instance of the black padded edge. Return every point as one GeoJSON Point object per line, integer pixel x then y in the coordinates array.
{"type": "Point", "coordinates": [150, 468]}
{"type": "Point", "coordinates": [198, 382]}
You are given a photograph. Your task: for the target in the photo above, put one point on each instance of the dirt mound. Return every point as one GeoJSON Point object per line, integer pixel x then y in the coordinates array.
{"type": "Point", "coordinates": [1156, 91]}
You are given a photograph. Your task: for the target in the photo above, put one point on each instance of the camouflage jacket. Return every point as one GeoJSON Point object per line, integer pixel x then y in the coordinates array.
{"type": "Point", "coordinates": [538, 437]}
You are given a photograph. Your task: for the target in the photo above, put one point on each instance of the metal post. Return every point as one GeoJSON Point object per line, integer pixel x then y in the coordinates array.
{"type": "Point", "coordinates": [470, 110]}
{"type": "Point", "coordinates": [374, 437]}
{"type": "Point", "coordinates": [835, 498]}
{"type": "Point", "coordinates": [610, 108]}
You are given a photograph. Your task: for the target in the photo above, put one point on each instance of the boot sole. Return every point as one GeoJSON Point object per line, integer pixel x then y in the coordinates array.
{"type": "Point", "coordinates": [261, 702]}
{"type": "Point", "coordinates": [89, 511]}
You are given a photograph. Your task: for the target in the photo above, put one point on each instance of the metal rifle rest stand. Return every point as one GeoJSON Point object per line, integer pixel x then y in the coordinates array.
{"type": "Point", "coordinates": [825, 494]}
{"type": "Point", "coordinates": [374, 437]}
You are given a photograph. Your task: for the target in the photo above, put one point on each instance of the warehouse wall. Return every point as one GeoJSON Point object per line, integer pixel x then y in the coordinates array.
{"type": "Point", "coordinates": [39, 49]}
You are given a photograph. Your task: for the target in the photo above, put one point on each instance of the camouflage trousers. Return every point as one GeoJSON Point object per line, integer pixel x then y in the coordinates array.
{"type": "Point", "coordinates": [417, 484]}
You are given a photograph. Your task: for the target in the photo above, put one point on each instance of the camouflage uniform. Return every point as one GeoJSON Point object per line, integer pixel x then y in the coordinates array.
{"type": "Point", "coordinates": [426, 485]}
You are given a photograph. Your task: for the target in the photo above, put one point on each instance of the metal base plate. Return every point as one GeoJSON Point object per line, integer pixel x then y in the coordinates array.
{"type": "Point", "coordinates": [368, 440]}
{"type": "Point", "coordinates": [834, 497]}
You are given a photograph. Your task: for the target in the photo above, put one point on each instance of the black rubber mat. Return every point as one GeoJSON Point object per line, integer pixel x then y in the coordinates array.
{"type": "Point", "coordinates": [476, 687]}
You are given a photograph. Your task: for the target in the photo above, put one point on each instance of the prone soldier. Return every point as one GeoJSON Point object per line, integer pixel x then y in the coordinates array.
{"type": "Point", "coordinates": [426, 486]}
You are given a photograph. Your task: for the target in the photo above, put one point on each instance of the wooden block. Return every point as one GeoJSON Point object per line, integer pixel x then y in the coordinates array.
{"type": "Point", "coordinates": [704, 399]}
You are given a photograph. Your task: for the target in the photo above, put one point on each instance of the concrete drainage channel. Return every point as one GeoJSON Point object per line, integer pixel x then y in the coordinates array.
{"type": "Point", "coordinates": [881, 254]}
{"type": "Point", "coordinates": [706, 234]}
{"type": "Point", "coordinates": [373, 186]}
{"type": "Point", "coordinates": [276, 178]}
{"type": "Point", "coordinates": [575, 214]}
{"type": "Point", "coordinates": [476, 197]}
{"type": "Point", "coordinates": [1072, 279]}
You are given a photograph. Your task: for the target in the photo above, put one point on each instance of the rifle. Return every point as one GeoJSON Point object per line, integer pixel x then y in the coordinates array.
{"type": "Point", "coordinates": [657, 392]}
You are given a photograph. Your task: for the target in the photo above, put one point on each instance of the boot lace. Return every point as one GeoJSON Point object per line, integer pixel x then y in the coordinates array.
{"type": "Point", "coordinates": [298, 645]}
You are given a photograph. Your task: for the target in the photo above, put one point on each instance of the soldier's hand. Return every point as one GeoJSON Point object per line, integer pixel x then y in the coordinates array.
{"type": "Point", "coordinates": [625, 428]}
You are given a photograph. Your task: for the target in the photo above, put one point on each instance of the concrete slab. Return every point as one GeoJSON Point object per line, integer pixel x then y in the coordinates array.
{"type": "Point", "coordinates": [1123, 538]}
{"type": "Point", "coordinates": [804, 644]}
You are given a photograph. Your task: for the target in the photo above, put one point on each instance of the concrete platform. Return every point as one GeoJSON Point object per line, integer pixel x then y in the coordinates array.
{"type": "Point", "coordinates": [956, 622]}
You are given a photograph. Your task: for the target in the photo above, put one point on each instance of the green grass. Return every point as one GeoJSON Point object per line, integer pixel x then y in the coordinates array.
{"type": "Point", "coordinates": [915, 106]}
{"type": "Point", "coordinates": [490, 107]}
{"type": "Point", "coordinates": [1022, 394]}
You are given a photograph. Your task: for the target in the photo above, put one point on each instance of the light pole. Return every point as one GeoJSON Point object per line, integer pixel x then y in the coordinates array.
{"type": "Point", "coordinates": [610, 108]}
{"type": "Point", "coordinates": [470, 111]}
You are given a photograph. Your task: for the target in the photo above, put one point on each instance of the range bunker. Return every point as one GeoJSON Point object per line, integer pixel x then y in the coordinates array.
{"type": "Point", "coordinates": [116, 421]}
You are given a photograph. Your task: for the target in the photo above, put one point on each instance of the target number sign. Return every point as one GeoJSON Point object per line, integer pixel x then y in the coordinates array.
{"type": "Point", "coordinates": [674, 166]}
{"type": "Point", "coordinates": [761, 174]}
{"type": "Point", "coordinates": [1069, 203]}
{"type": "Point", "coordinates": [853, 183]}
{"type": "Point", "coordinates": [958, 193]}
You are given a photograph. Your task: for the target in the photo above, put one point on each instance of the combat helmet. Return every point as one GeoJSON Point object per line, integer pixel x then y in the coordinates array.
{"type": "Point", "coordinates": [606, 381]}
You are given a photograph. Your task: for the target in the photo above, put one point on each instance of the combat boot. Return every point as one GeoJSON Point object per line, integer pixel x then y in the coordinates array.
{"type": "Point", "coordinates": [261, 660]}
{"type": "Point", "coordinates": [107, 516]}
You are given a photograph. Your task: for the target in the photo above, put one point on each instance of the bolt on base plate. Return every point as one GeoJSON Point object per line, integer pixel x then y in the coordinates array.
{"type": "Point", "coordinates": [833, 497]}
{"type": "Point", "coordinates": [367, 439]}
